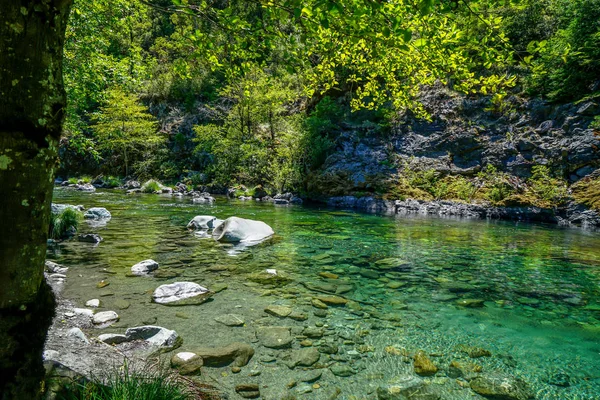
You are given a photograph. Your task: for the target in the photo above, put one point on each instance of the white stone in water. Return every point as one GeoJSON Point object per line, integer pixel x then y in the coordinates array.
{"type": "Point", "coordinates": [155, 335]}
{"type": "Point", "coordinates": [94, 303]}
{"type": "Point", "coordinates": [83, 311]}
{"type": "Point", "coordinates": [105, 317]}
{"type": "Point", "coordinates": [178, 291]}
{"type": "Point", "coordinates": [97, 213]}
{"type": "Point", "coordinates": [242, 230]}
{"type": "Point", "coordinates": [271, 271]}
{"type": "Point", "coordinates": [203, 222]}
{"type": "Point", "coordinates": [186, 355]}
{"type": "Point", "coordinates": [55, 268]}
{"type": "Point", "coordinates": [144, 267]}
{"type": "Point", "coordinates": [50, 355]}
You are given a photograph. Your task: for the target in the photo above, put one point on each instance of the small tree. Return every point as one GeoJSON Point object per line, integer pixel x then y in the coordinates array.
{"type": "Point", "coordinates": [124, 125]}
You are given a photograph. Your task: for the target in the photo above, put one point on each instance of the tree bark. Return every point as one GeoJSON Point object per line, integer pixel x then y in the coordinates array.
{"type": "Point", "coordinates": [32, 103]}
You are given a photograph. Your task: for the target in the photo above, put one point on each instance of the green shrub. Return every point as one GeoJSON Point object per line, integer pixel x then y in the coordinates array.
{"type": "Point", "coordinates": [460, 188]}
{"type": "Point", "coordinates": [112, 182]}
{"type": "Point", "coordinates": [151, 186]}
{"type": "Point", "coordinates": [129, 385]}
{"type": "Point", "coordinates": [548, 190]}
{"type": "Point", "coordinates": [73, 181]}
{"type": "Point", "coordinates": [496, 186]}
{"type": "Point", "coordinates": [63, 222]}
{"type": "Point", "coordinates": [85, 179]}
{"type": "Point", "coordinates": [587, 191]}
{"type": "Point", "coordinates": [595, 124]}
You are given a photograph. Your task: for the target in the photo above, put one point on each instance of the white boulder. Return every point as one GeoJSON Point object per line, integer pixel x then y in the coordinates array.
{"type": "Point", "coordinates": [242, 230]}
{"type": "Point", "coordinates": [144, 267]}
{"type": "Point", "coordinates": [97, 213]}
{"type": "Point", "coordinates": [180, 293]}
{"type": "Point", "coordinates": [203, 222]}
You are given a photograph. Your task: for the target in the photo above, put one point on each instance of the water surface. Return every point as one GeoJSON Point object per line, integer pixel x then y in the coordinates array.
{"type": "Point", "coordinates": [540, 286]}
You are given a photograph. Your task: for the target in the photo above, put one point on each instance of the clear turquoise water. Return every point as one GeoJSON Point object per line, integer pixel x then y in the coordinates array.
{"type": "Point", "coordinates": [541, 287]}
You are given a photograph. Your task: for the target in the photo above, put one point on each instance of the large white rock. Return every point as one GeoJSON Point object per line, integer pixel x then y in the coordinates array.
{"type": "Point", "coordinates": [105, 317]}
{"type": "Point", "coordinates": [204, 222]}
{"type": "Point", "coordinates": [155, 335]}
{"type": "Point", "coordinates": [242, 230]}
{"type": "Point", "coordinates": [97, 213]}
{"type": "Point", "coordinates": [144, 267]}
{"type": "Point", "coordinates": [77, 334]}
{"type": "Point", "coordinates": [179, 293]}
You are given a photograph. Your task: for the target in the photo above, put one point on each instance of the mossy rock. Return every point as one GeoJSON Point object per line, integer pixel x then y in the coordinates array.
{"type": "Point", "coordinates": [587, 192]}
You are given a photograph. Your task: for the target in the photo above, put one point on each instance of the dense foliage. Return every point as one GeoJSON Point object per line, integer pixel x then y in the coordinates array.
{"type": "Point", "coordinates": [256, 92]}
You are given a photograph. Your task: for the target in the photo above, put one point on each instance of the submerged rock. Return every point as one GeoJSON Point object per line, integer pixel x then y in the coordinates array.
{"type": "Point", "coordinates": [113, 338]}
{"type": "Point", "coordinates": [248, 390]}
{"type": "Point", "coordinates": [499, 386]}
{"type": "Point", "coordinates": [181, 293]}
{"type": "Point", "coordinates": [155, 335]}
{"type": "Point", "coordinates": [97, 213]}
{"type": "Point", "coordinates": [236, 229]}
{"type": "Point", "coordinates": [238, 354]}
{"type": "Point", "coordinates": [144, 267]}
{"type": "Point", "coordinates": [423, 365]}
{"type": "Point", "coordinates": [278, 311]}
{"type": "Point", "coordinates": [400, 388]}
{"type": "Point", "coordinates": [304, 357]}
{"type": "Point", "coordinates": [274, 337]}
{"type": "Point", "coordinates": [204, 222]}
{"type": "Point", "coordinates": [230, 320]}
{"type": "Point", "coordinates": [90, 238]}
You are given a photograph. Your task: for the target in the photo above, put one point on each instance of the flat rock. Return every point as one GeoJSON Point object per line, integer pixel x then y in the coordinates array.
{"type": "Point", "coordinates": [333, 300]}
{"type": "Point", "coordinates": [470, 303]}
{"type": "Point", "coordinates": [94, 303]}
{"type": "Point", "coordinates": [274, 337]}
{"type": "Point", "coordinates": [305, 357]}
{"type": "Point", "coordinates": [278, 311]}
{"type": "Point", "coordinates": [400, 388]}
{"type": "Point", "coordinates": [238, 354]}
{"type": "Point", "coordinates": [105, 317]}
{"type": "Point", "coordinates": [55, 268]}
{"type": "Point", "coordinates": [181, 293]}
{"type": "Point", "coordinates": [391, 263]}
{"type": "Point", "coordinates": [144, 267]}
{"type": "Point", "coordinates": [341, 370]}
{"type": "Point", "coordinates": [230, 319]}
{"type": "Point", "coordinates": [78, 334]}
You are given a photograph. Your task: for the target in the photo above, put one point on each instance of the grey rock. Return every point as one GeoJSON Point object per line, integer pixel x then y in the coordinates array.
{"type": "Point", "coordinates": [77, 334]}
{"type": "Point", "coordinates": [55, 268]}
{"type": "Point", "coordinates": [274, 337]}
{"type": "Point", "coordinates": [144, 267]}
{"type": "Point", "coordinates": [304, 357]}
{"type": "Point", "coordinates": [237, 354]}
{"type": "Point", "coordinates": [187, 363]}
{"type": "Point", "coordinates": [341, 370]}
{"type": "Point", "coordinates": [230, 320]}
{"type": "Point", "coordinates": [501, 386]}
{"type": "Point", "coordinates": [90, 238]}
{"type": "Point", "coordinates": [97, 213]}
{"type": "Point", "coordinates": [155, 335]}
{"type": "Point", "coordinates": [203, 222]}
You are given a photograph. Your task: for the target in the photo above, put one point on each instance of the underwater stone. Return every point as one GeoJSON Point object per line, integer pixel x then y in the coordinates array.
{"type": "Point", "coordinates": [90, 238]}
{"type": "Point", "coordinates": [304, 357]}
{"type": "Point", "coordinates": [274, 337]}
{"type": "Point", "coordinates": [238, 354]}
{"type": "Point", "coordinates": [470, 303]}
{"type": "Point", "coordinates": [501, 386]}
{"type": "Point", "coordinates": [400, 388]}
{"type": "Point", "coordinates": [278, 311]}
{"type": "Point", "coordinates": [423, 365]}
{"type": "Point", "coordinates": [181, 293]}
{"type": "Point", "coordinates": [341, 370]}
{"type": "Point", "coordinates": [248, 390]}
{"type": "Point", "coordinates": [113, 338]}
{"type": "Point", "coordinates": [230, 320]}
{"type": "Point", "coordinates": [105, 317]}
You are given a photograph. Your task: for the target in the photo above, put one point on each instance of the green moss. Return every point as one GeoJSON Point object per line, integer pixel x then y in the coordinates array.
{"type": "Point", "coordinates": [587, 192]}
{"type": "Point", "coordinates": [112, 182]}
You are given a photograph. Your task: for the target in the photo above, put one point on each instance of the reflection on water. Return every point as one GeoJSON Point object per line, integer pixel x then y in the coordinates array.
{"type": "Point", "coordinates": [535, 292]}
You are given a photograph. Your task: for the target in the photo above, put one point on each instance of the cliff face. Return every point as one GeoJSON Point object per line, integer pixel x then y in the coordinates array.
{"type": "Point", "coordinates": [462, 138]}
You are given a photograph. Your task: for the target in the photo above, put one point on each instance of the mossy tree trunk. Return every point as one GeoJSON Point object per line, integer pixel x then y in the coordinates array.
{"type": "Point", "coordinates": [32, 103]}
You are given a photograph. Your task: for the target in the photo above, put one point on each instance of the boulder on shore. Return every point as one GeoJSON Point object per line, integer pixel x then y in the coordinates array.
{"type": "Point", "coordinates": [242, 230]}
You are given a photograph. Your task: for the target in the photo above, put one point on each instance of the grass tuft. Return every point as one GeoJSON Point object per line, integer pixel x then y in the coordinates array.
{"type": "Point", "coordinates": [63, 222]}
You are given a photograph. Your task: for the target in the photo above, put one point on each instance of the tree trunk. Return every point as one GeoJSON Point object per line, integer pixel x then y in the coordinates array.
{"type": "Point", "coordinates": [32, 101]}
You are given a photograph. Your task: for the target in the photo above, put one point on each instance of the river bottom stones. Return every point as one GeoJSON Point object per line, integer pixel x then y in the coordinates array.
{"type": "Point", "coordinates": [500, 386]}
{"type": "Point", "coordinates": [187, 363]}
